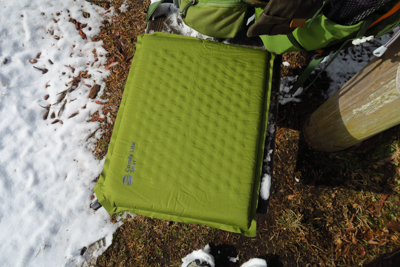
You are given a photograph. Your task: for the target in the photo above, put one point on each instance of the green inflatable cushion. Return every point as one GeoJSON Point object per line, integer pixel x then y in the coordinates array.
{"type": "Point", "coordinates": [188, 140]}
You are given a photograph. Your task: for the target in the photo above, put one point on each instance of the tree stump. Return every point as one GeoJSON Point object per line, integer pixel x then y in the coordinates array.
{"type": "Point", "coordinates": [366, 105]}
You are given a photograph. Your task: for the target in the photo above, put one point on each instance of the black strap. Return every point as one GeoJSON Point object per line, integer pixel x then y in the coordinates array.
{"type": "Point", "coordinates": [294, 42]}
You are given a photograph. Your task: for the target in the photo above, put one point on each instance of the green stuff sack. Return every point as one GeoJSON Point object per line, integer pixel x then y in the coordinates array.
{"type": "Point", "coordinates": [216, 18]}
{"type": "Point", "coordinates": [188, 141]}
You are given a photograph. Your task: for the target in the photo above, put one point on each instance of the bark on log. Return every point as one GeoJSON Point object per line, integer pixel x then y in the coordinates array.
{"type": "Point", "coordinates": [366, 105]}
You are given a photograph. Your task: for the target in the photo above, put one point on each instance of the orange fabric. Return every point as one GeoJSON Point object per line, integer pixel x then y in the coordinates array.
{"type": "Point", "coordinates": [391, 12]}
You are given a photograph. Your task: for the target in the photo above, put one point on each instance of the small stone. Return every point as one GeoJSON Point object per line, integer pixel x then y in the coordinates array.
{"type": "Point", "coordinates": [95, 89]}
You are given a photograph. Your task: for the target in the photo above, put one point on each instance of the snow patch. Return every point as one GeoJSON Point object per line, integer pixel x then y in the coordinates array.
{"type": "Point", "coordinates": [47, 169]}
{"type": "Point", "coordinates": [124, 7]}
{"type": "Point", "coordinates": [255, 263]}
{"type": "Point", "coordinates": [203, 255]}
{"type": "Point", "coordinates": [265, 187]}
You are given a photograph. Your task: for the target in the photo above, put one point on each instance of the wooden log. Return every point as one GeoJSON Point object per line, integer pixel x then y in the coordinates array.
{"type": "Point", "coordinates": [366, 105]}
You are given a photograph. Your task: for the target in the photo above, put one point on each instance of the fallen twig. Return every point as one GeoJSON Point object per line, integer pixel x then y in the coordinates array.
{"type": "Point", "coordinates": [320, 260]}
{"type": "Point", "coordinates": [43, 70]}
{"type": "Point", "coordinates": [91, 135]}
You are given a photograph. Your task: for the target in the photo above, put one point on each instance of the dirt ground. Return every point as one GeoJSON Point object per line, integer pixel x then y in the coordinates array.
{"type": "Point", "coordinates": [326, 209]}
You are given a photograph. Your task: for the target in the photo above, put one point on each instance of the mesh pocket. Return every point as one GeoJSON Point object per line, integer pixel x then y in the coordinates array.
{"type": "Point", "coordinates": [351, 12]}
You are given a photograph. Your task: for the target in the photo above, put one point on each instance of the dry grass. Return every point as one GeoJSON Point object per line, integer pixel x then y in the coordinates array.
{"type": "Point", "coordinates": [119, 37]}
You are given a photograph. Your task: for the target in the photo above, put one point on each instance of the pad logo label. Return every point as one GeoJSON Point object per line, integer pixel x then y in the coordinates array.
{"type": "Point", "coordinates": [130, 166]}
{"type": "Point", "coordinates": [127, 180]}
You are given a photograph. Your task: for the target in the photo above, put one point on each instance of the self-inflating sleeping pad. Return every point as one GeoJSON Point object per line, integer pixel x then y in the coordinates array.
{"type": "Point", "coordinates": [189, 137]}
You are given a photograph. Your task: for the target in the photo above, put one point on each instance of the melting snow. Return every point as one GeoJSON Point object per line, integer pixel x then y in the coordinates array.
{"type": "Point", "coordinates": [47, 170]}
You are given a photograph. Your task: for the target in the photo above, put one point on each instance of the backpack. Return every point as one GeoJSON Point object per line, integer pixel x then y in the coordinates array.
{"type": "Point", "coordinates": [224, 18]}
{"type": "Point", "coordinates": [328, 30]}
{"type": "Point", "coordinates": [337, 25]}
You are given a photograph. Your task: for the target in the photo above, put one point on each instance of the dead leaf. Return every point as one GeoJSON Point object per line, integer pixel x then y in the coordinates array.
{"type": "Point", "coordinates": [69, 66]}
{"type": "Point", "coordinates": [33, 61]}
{"type": "Point", "coordinates": [338, 241]}
{"type": "Point", "coordinates": [62, 96]}
{"type": "Point", "coordinates": [393, 225]}
{"type": "Point", "coordinates": [73, 115]}
{"type": "Point", "coordinates": [43, 70]}
{"type": "Point", "coordinates": [57, 120]}
{"type": "Point", "coordinates": [372, 242]}
{"type": "Point", "coordinates": [394, 238]}
{"type": "Point", "coordinates": [111, 65]}
{"type": "Point", "coordinates": [62, 108]}
{"type": "Point", "coordinates": [94, 91]}
{"type": "Point", "coordinates": [51, 62]}
{"type": "Point", "coordinates": [46, 97]}
{"type": "Point", "coordinates": [377, 179]}
{"type": "Point", "coordinates": [46, 114]}
{"type": "Point", "coordinates": [361, 251]}
{"type": "Point", "coordinates": [82, 34]}
{"type": "Point", "coordinates": [291, 197]}
{"type": "Point", "coordinates": [113, 108]}
{"type": "Point", "coordinates": [38, 55]}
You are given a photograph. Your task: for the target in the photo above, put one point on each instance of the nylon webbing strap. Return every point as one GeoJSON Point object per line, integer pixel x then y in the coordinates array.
{"type": "Point", "coordinates": [294, 42]}
{"type": "Point", "coordinates": [303, 77]}
{"type": "Point", "coordinates": [314, 63]}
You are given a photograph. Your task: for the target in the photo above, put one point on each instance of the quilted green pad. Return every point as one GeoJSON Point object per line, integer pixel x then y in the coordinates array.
{"type": "Point", "coordinates": [188, 141]}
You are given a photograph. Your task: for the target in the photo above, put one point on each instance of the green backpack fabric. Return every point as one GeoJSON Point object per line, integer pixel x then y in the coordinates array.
{"type": "Point", "coordinates": [224, 18]}
{"type": "Point", "coordinates": [283, 17]}
{"type": "Point", "coordinates": [321, 33]}
{"type": "Point", "coordinates": [216, 18]}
